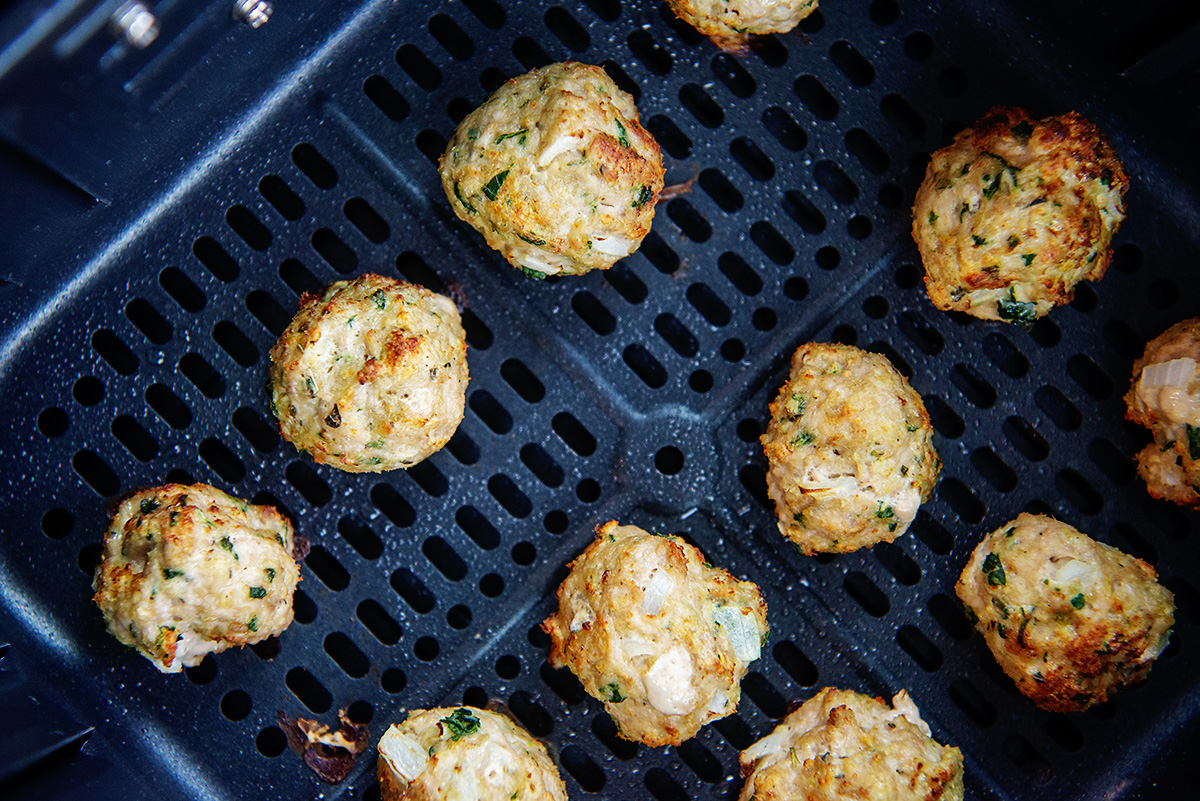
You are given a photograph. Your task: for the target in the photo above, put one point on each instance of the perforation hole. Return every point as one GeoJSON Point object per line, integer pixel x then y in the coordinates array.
{"type": "Point", "coordinates": [530, 53]}
{"type": "Point", "coordinates": [414, 592]}
{"type": "Point", "coordinates": [920, 648]}
{"type": "Point", "coordinates": [308, 690]}
{"type": "Point", "coordinates": [622, 279]}
{"type": "Point", "coordinates": [918, 45]}
{"type": "Point", "coordinates": [1111, 461]}
{"type": "Point", "coordinates": [574, 434]}
{"type": "Point", "coordinates": [784, 128]}
{"type": "Point", "coordinates": [816, 98]}
{"type": "Point", "coordinates": [136, 439]}
{"type": "Point", "coordinates": [491, 585]}
{"type": "Point", "coordinates": [489, 410]}
{"type": "Point", "coordinates": [673, 140]}
{"type": "Point", "coordinates": [529, 712]}
{"type": "Point", "coordinates": [1021, 753]}
{"type": "Point", "coordinates": [57, 525]}
{"type": "Point", "coordinates": [442, 556]}
{"type": "Point", "coordinates": [921, 332]}
{"type": "Point", "coordinates": [304, 478]}
{"type": "Point", "coordinates": [993, 469]}
{"type": "Point", "coordinates": [903, 117]}
{"type": "Point", "coordinates": [452, 38]}
{"type": "Point", "coordinates": [764, 695]}
{"type": "Point", "coordinates": [1079, 492]}
{"type": "Point", "coordinates": [622, 79]}
{"type": "Point", "coordinates": [803, 212]}
{"type": "Point", "coordinates": [336, 253]}
{"type": "Point", "coordinates": [147, 319]}
{"type": "Point", "coordinates": [677, 335]}
{"type": "Point", "coordinates": [429, 478]}
{"type": "Point", "coordinates": [556, 521]}
{"type": "Point", "coordinates": [795, 663]}
{"type": "Point", "coordinates": [1025, 439]}
{"type": "Point", "coordinates": [973, 386]}
{"type": "Point", "coordinates": [962, 500]}
{"type": "Point", "coordinates": [755, 162]}
{"type": "Point", "coordinates": [945, 420]}
{"type": "Point", "coordinates": [669, 460]}
{"type": "Point", "coordinates": [509, 495]}
{"type": "Point", "coordinates": [569, 32]}
{"type": "Point", "coordinates": [52, 422]}
{"type": "Point", "coordinates": [718, 187]}
{"type": "Point", "coordinates": [387, 500]}
{"type": "Point", "coordinates": [458, 617]}
{"type": "Point", "coordinates": [972, 702]}
{"type": "Point", "coordinates": [167, 405]}
{"type": "Point", "coordinates": [885, 12]}
{"type": "Point", "coordinates": [235, 343]}
{"type": "Point", "coordinates": [215, 258]}
{"type": "Point", "coordinates": [423, 71]}
{"type": "Point", "coordinates": [733, 350]}
{"type": "Point", "coordinates": [114, 351]}
{"type": "Point", "coordinates": [489, 12]}
{"type": "Point", "coordinates": [360, 537]}
{"type": "Point", "coordinates": [314, 166]}
{"type": "Point", "coordinates": [653, 55]}
{"type": "Point", "coordinates": [730, 72]}
{"type": "Point", "coordinates": [346, 655]}
{"type": "Point", "coordinates": [267, 311]}
{"type": "Point", "coordinates": [593, 312]}
{"type": "Point", "coordinates": [181, 289]}
{"type": "Point", "coordinates": [463, 448]}
{"type": "Point", "coordinates": [393, 681]}
{"type": "Point", "coordinates": [542, 465]}
{"type": "Point", "coordinates": [1089, 376]}
{"type": "Point", "coordinates": [645, 366]}
{"type": "Point", "coordinates": [235, 705]}
{"type": "Point", "coordinates": [952, 81]}
{"type": "Point", "coordinates": [248, 227]}
{"type": "Point", "coordinates": [87, 391]}
{"type": "Point", "coordinates": [690, 221]}
{"type": "Point", "coordinates": [772, 243]}
{"type": "Point", "coordinates": [701, 105]}
{"type": "Point", "coordinates": [327, 568]}
{"type": "Point", "coordinates": [376, 620]}
{"type": "Point", "coordinates": [588, 490]}
{"type": "Point", "coordinates": [864, 592]}
{"type": "Point", "coordinates": [701, 761]}
{"type": "Point", "coordinates": [298, 278]}
{"type": "Point", "coordinates": [1058, 408]}
{"type": "Point", "coordinates": [606, 732]}
{"type": "Point", "coordinates": [948, 613]}
{"type": "Point", "coordinates": [477, 527]}
{"type": "Point", "coordinates": [896, 562]}
{"type": "Point", "coordinates": [1123, 339]}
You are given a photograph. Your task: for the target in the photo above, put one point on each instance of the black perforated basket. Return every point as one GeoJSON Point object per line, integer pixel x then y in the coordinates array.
{"type": "Point", "coordinates": [179, 199]}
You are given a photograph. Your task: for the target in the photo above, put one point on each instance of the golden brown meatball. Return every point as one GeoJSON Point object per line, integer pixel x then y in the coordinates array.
{"type": "Point", "coordinates": [1165, 397]}
{"type": "Point", "coordinates": [1016, 212]}
{"type": "Point", "coordinates": [189, 571]}
{"type": "Point", "coordinates": [1069, 619]}
{"type": "Point", "coordinates": [850, 450]}
{"type": "Point", "coordinates": [556, 171]}
{"type": "Point", "coordinates": [464, 754]}
{"type": "Point", "coordinates": [843, 745]}
{"type": "Point", "coordinates": [728, 23]}
{"type": "Point", "coordinates": [659, 635]}
{"type": "Point", "coordinates": [370, 375]}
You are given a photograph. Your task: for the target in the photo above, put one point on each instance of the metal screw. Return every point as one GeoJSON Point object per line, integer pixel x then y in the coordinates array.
{"type": "Point", "coordinates": [254, 13]}
{"type": "Point", "coordinates": [133, 22]}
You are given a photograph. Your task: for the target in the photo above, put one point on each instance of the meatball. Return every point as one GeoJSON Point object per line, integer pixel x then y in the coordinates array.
{"type": "Point", "coordinates": [1017, 212]}
{"type": "Point", "coordinates": [555, 171]}
{"type": "Point", "coordinates": [189, 571]}
{"type": "Point", "coordinates": [655, 632]}
{"type": "Point", "coordinates": [371, 375]}
{"type": "Point", "coordinates": [843, 745]}
{"type": "Point", "coordinates": [1165, 397]}
{"type": "Point", "coordinates": [850, 450]}
{"type": "Point", "coordinates": [464, 754]}
{"type": "Point", "coordinates": [729, 23]}
{"type": "Point", "coordinates": [1069, 619]}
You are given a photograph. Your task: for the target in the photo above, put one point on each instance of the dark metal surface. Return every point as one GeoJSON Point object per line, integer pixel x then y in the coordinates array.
{"type": "Point", "coordinates": [134, 345]}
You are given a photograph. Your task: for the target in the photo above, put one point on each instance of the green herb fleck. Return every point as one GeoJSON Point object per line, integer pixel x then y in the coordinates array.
{"type": "Point", "coordinates": [380, 298]}
{"type": "Point", "coordinates": [537, 275]}
{"type": "Point", "coordinates": [270, 571]}
{"type": "Point", "coordinates": [798, 517]}
{"type": "Point", "coordinates": [1164, 449]}
{"type": "Point", "coordinates": [311, 386]}
{"type": "Point", "coordinates": [258, 592]}
{"type": "Point", "coordinates": [623, 136]}
{"type": "Point", "coordinates": [1017, 312]}
{"type": "Point", "coordinates": [1013, 241]}
{"type": "Point", "coordinates": [994, 571]}
{"type": "Point", "coordinates": [492, 187]}
{"type": "Point", "coordinates": [375, 443]}
{"type": "Point", "coordinates": [148, 505]}
{"type": "Point", "coordinates": [531, 240]}
{"type": "Point", "coordinates": [1022, 131]}
{"type": "Point", "coordinates": [473, 134]}
{"type": "Point", "coordinates": [972, 618]}
{"type": "Point", "coordinates": [885, 512]}
{"type": "Point", "coordinates": [933, 218]}
{"type": "Point", "coordinates": [1078, 601]}
{"type": "Point", "coordinates": [1010, 532]}
{"type": "Point", "coordinates": [1028, 258]}
{"type": "Point", "coordinates": [966, 209]}
{"type": "Point", "coordinates": [1106, 180]}
{"type": "Point", "coordinates": [463, 200]}
{"type": "Point", "coordinates": [521, 133]}
{"type": "Point", "coordinates": [168, 573]}
{"type": "Point", "coordinates": [460, 723]}
{"type": "Point", "coordinates": [991, 189]}
{"type": "Point", "coordinates": [225, 544]}
{"type": "Point", "coordinates": [978, 240]}
{"type": "Point", "coordinates": [643, 197]}
{"type": "Point", "coordinates": [966, 168]}
{"type": "Point", "coordinates": [1001, 607]}
{"type": "Point", "coordinates": [804, 438]}
{"type": "Point", "coordinates": [612, 693]}
{"type": "Point", "coordinates": [795, 406]}
{"type": "Point", "coordinates": [1193, 435]}
{"type": "Point", "coordinates": [253, 624]}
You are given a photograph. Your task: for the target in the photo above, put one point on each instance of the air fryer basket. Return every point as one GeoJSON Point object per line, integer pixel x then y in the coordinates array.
{"type": "Point", "coordinates": [136, 353]}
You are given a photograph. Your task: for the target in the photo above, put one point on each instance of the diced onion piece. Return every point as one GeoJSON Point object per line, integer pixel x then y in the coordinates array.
{"type": "Point", "coordinates": [532, 260]}
{"type": "Point", "coordinates": [636, 646]}
{"type": "Point", "coordinates": [403, 754]}
{"type": "Point", "coordinates": [669, 683]}
{"type": "Point", "coordinates": [1165, 387]}
{"type": "Point", "coordinates": [612, 245]}
{"type": "Point", "coordinates": [742, 630]}
{"type": "Point", "coordinates": [1176, 372]}
{"type": "Point", "coordinates": [1073, 570]}
{"type": "Point", "coordinates": [657, 590]}
{"type": "Point", "coordinates": [563, 144]}
{"type": "Point", "coordinates": [718, 703]}
{"type": "Point", "coordinates": [905, 707]}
